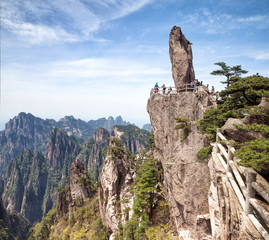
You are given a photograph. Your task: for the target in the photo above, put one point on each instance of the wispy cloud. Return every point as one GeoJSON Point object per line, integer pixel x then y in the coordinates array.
{"type": "Point", "coordinates": [84, 71]}
{"type": "Point", "coordinates": [38, 34]}
{"type": "Point", "coordinates": [39, 22]}
{"type": "Point", "coordinates": [215, 22]}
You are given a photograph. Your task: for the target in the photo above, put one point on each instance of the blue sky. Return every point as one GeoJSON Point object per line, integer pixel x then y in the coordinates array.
{"type": "Point", "coordinates": [96, 58]}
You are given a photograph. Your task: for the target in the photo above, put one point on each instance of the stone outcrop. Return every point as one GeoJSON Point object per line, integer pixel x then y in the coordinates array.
{"type": "Point", "coordinates": [232, 132]}
{"type": "Point", "coordinates": [115, 199]}
{"type": "Point", "coordinates": [75, 193]}
{"type": "Point", "coordinates": [187, 181]}
{"type": "Point", "coordinates": [240, 135]}
{"type": "Point", "coordinates": [181, 57]}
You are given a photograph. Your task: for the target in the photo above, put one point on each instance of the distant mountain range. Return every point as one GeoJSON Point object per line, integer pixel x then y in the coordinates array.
{"type": "Point", "coordinates": [26, 131]}
{"type": "Point", "coordinates": [36, 155]}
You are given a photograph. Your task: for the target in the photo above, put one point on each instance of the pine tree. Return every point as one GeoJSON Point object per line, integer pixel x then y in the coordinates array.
{"type": "Point", "coordinates": [231, 73]}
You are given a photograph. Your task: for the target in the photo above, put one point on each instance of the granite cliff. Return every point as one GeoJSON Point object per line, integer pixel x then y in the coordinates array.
{"type": "Point", "coordinates": [187, 181]}
{"type": "Point", "coordinates": [80, 188]}
{"type": "Point", "coordinates": [115, 180]}
{"type": "Point", "coordinates": [203, 204]}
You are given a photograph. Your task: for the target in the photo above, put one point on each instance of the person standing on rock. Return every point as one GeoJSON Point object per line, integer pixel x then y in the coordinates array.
{"type": "Point", "coordinates": [164, 88]}
{"type": "Point", "coordinates": [156, 88]}
{"type": "Point", "coordinates": [192, 84]}
{"type": "Point", "coordinates": [212, 90]}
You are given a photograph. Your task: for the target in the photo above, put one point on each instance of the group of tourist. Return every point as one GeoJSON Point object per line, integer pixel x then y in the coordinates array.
{"type": "Point", "coordinates": [156, 88]}
{"type": "Point", "coordinates": [196, 83]}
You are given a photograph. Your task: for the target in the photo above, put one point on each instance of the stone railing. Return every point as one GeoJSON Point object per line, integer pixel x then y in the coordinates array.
{"type": "Point", "coordinates": [245, 186]}
{"type": "Point", "coordinates": [174, 90]}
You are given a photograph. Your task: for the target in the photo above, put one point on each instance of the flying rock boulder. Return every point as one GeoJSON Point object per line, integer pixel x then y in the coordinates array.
{"type": "Point", "coordinates": [181, 57]}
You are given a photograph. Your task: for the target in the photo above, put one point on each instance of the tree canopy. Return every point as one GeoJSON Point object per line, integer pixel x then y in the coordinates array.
{"type": "Point", "coordinates": [231, 73]}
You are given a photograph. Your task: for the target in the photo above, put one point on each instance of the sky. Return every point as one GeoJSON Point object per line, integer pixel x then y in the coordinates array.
{"type": "Point", "coordinates": [100, 58]}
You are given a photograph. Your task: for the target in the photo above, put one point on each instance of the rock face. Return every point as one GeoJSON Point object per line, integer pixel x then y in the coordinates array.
{"type": "Point", "coordinates": [79, 188]}
{"type": "Point", "coordinates": [187, 181]}
{"type": "Point", "coordinates": [25, 184]}
{"type": "Point", "coordinates": [93, 156]}
{"type": "Point", "coordinates": [62, 150]}
{"type": "Point", "coordinates": [23, 132]}
{"type": "Point", "coordinates": [30, 179]}
{"type": "Point", "coordinates": [115, 198]}
{"type": "Point", "coordinates": [181, 57]}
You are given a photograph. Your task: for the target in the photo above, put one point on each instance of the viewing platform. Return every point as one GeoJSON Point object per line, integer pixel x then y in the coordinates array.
{"type": "Point", "coordinates": [173, 90]}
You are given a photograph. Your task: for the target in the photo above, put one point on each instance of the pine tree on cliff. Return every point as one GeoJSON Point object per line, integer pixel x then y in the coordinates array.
{"type": "Point", "coordinates": [228, 72]}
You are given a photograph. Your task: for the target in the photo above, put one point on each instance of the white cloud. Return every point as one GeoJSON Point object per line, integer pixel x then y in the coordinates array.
{"type": "Point", "coordinates": [40, 22]}
{"type": "Point", "coordinates": [261, 56]}
{"type": "Point", "coordinates": [38, 34]}
{"type": "Point", "coordinates": [215, 22]}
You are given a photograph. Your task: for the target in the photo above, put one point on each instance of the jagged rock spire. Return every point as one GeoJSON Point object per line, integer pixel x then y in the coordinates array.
{"type": "Point", "coordinates": [181, 57]}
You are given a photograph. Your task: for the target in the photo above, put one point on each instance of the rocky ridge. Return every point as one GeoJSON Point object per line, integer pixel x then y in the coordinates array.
{"type": "Point", "coordinates": [115, 180]}
{"type": "Point", "coordinates": [76, 192]}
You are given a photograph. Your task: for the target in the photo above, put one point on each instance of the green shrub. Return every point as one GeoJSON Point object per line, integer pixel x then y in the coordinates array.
{"type": "Point", "coordinates": [262, 128]}
{"type": "Point", "coordinates": [151, 141]}
{"type": "Point", "coordinates": [254, 154]}
{"type": "Point", "coordinates": [204, 153]}
{"type": "Point", "coordinates": [183, 124]}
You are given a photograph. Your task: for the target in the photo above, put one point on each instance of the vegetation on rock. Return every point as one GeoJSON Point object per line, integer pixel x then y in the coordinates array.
{"type": "Point", "coordinates": [17, 227]}
{"type": "Point", "coordinates": [254, 154]}
{"type": "Point", "coordinates": [204, 153]}
{"type": "Point", "coordinates": [84, 223]}
{"type": "Point", "coordinates": [242, 96]}
{"type": "Point", "coordinates": [150, 210]}
{"type": "Point", "coordinates": [182, 123]}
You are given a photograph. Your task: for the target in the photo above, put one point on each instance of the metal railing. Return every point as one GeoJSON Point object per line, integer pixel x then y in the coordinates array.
{"type": "Point", "coordinates": [245, 187]}
{"type": "Point", "coordinates": [174, 90]}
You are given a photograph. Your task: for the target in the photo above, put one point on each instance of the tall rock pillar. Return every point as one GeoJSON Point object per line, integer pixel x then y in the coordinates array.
{"type": "Point", "coordinates": [181, 57]}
